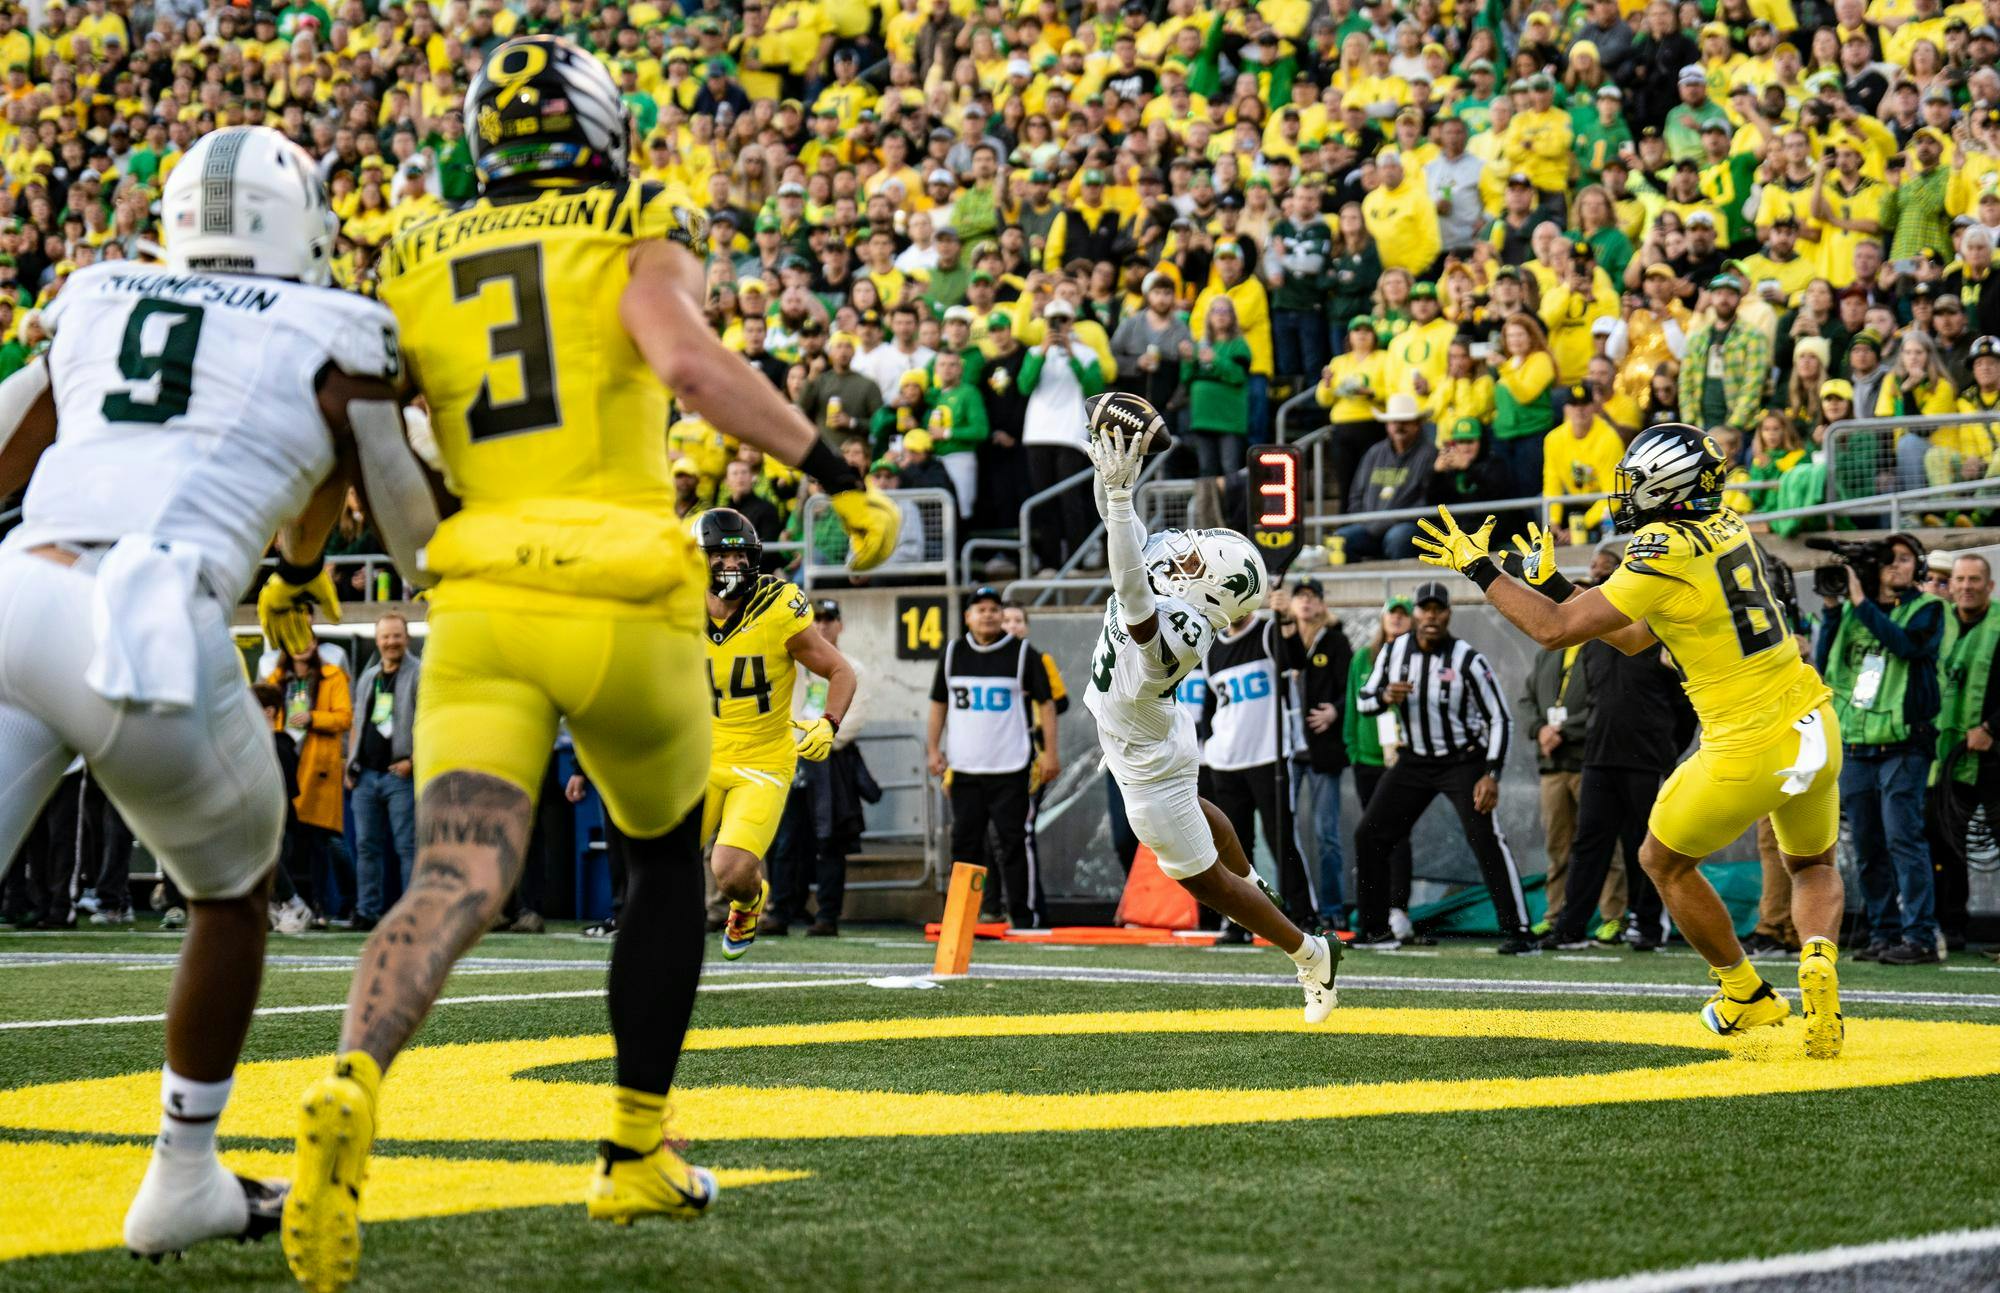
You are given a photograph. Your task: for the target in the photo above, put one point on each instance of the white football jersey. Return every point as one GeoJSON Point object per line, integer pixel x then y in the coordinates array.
{"type": "Point", "coordinates": [1145, 731]}
{"type": "Point", "coordinates": [187, 409]}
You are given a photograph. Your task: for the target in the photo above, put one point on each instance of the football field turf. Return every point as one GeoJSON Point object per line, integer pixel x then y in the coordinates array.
{"type": "Point", "coordinates": [1065, 1118]}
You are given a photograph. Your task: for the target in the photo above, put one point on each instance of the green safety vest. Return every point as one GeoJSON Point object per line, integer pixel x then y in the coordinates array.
{"type": "Point", "coordinates": [1882, 723]}
{"type": "Point", "coordinates": [1968, 660]}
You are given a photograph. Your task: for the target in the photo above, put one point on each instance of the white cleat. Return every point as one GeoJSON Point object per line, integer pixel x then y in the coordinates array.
{"type": "Point", "coordinates": [184, 1201]}
{"type": "Point", "coordinates": [1317, 980]}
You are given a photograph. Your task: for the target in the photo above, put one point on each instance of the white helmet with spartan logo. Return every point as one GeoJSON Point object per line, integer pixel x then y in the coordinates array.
{"type": "Point", "coordinates": [1218, 572]}
{"type": "Point", "coordinates": [247, 200]}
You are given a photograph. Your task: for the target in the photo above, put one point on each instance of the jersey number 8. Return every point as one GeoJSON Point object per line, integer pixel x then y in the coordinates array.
{"type": "Point", "coordinates": [1759, 625]}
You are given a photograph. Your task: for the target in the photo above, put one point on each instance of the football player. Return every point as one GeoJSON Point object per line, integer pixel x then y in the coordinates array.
{"type": "Point", "coordinates": [1170, 596]}
{"type": "Point", "coordinates": [1693, 579]}
{"type": "Point", "coordinates": [202, 406]}
{"type": "Point", "coordinates": [545, 323]}
{"type": "Point", "coordinates": [758, 625]}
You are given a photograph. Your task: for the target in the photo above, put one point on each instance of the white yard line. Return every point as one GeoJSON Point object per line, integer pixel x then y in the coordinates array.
{"type": "Point", "coordinates": [1972, 969]}
{"type": "Point", "coordinates": [489, 998]}
{"type": "Point", "coordinates": [1722, 1274]}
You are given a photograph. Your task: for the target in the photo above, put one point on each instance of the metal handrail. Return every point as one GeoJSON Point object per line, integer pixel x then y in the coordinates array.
{"type": "Point", "coordinates": [1849, 428]}
{"type": "Point", "coordinates": [816, 507]}
{"type": "Point", "coordinates": [933, 871]}
{"type": "Point", "coordinates": [1020, 543]}
{"type": "Point", "coordinates": [370, 563]}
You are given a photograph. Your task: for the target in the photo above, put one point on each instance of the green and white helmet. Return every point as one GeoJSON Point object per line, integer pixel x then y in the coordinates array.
{"type": "Point", "coordinates": [1218, 572]}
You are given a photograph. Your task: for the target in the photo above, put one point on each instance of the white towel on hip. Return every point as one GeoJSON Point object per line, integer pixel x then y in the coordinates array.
{"type": "Point", "coordinates": [1812, 756]}
{"type": "Point", "coordinates": [142, 620]}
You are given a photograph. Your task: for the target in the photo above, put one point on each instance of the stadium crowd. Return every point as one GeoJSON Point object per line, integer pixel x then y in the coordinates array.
{"type": "Point", "coordinates": [940, 224]}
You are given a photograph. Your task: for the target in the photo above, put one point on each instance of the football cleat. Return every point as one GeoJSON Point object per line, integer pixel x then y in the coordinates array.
{"type": "Point", "coordinates": [1725, 1015]}
{"type": "Point", "coordinates": [321, 1231]}
{"type": "Point", "coordinates": [1819, 994]}
{"type": "Point", "coordinates": [740, 930]}
{"type": "Point", "coordinates": [627, 1185]}
{"type": "Point", "coordinates": [186, 1200]}
{"type": "Point", "coordinates": [1317, 980]}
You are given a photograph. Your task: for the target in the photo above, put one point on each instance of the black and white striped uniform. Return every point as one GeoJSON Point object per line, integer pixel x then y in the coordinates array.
{"type": "Point", "coordinates": [1455, 709]}
{"type": "Point", "coordinates": [1458, 727]}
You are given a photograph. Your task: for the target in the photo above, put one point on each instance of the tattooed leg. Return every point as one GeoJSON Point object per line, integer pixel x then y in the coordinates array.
{"type": "Point", "coordinates": [472, 834]}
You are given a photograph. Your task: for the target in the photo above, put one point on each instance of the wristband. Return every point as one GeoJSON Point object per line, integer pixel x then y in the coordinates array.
{"type": "Point", "coordinates": [829, 469]}
{"type": "Point", "coordinates": [832, 722]}
{"type": "Point", "coordinates": [1482, 572]}
{"type": "Point", "coordinates": [1557, 587]}
{"type": "Point", "coordinates": [300, 576]}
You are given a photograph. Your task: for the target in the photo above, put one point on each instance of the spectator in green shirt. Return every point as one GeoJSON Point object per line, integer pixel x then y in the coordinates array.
{"type": "Point", "coordinates": [1216, 373]}
{"type": "Point", "coordinates": [1915, 208]}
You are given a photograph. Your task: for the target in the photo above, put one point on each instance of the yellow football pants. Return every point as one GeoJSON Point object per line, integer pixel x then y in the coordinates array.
{"type": "Point", "coordinates": [1711, 799]}
{"type": "Point", "coordinates": [496, 682]}
{"type": "Point", "coordinates": [743, 805]}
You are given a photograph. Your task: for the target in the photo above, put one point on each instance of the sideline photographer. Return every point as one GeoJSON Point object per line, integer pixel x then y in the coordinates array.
{"type": "Point", "coordinates": [1968, 769]}
{"type": "Point", "coordinates": [1879, 653]}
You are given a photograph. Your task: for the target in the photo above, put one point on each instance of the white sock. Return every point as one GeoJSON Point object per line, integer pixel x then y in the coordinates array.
{"type": "Point", "coordinates": [1310, 952]}
{"type": "Point", "coordinates": [189, 1112]}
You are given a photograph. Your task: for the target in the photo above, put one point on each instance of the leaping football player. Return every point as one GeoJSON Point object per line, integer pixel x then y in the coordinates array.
{"type": "Point", "coordinates": [1693, 579]}
{"type": "Point", "coordinates": [544, 324]}
{"type": "Point", "coordinates": [758, 625]}
{"type": "Point", "coordinates": [1170, 596]}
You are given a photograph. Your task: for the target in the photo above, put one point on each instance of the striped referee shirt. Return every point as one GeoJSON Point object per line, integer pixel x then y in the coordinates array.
{"type": "Point", "coordinates": [1454, 711]}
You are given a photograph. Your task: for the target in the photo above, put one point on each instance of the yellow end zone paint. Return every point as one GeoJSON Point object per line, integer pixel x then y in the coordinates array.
{"type": "Point", "coordinates": [469, 1092]}
{"type": "Point", "coordinates": [72, 1198]}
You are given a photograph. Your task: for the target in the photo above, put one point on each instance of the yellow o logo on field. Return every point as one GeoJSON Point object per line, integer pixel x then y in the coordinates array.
{"type": "Point", "coordinates": [70, 1197]}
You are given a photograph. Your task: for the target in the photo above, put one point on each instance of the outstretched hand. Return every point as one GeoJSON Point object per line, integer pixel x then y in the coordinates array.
{"type": "Point", "coordinates": [1117, 456]}
{"type": "Point", "coordinates": [1451, 547]}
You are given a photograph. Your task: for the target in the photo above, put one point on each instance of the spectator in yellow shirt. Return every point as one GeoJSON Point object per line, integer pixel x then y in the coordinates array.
{"type": "Point", "coordinates": [1571, 308]}
{"type": "Point", "coordinates": [1579, 457]}
{"type": "Point", "coordinates": [1402, 218]}
{"type": "Point", "coordinates": [1353, 386]}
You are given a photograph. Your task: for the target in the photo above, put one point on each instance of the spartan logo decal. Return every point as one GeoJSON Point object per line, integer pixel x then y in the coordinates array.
{"type": "Point", "coordinates": [218, 183]}
{"type": "Point", "coordinates": [1243, 585]}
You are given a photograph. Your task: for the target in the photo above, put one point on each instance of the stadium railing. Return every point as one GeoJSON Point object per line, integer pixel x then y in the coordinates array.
{"type": "Point", "coordinates": [937, 517]}
{"type": "Point", "coordinates": [902, 773]}
{"type": "Point", "coordinates": [1867, 458]}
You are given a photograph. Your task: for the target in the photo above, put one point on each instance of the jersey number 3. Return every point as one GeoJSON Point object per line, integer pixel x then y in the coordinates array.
{"type": "Point", "coordinates": [157, 352]}
{"type": "Point", "coordinates": [525, 342]}
{"type": "Point", "coordinates": [1752, 609]}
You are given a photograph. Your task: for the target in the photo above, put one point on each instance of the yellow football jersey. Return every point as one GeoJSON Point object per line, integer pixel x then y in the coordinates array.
{"type": "Point", "coordinates": [1699, 584]}
{"type": "Point", "coordinates": [750, 675]}
{"type": "Point", "coordinates": [551, 423]}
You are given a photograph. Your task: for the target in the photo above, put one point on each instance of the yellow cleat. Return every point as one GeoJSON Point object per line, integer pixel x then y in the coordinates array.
{"type": "Point", "coordinates": [741, 930]}
{"type": "Point", "coordinates": [1725, 1015]}
{"type": "Point", "coordinates": [321, 1228]}
{"type": "Point", "coordinates": [1819, 992]}
{"type": "Point", "coordinates": [627, 1185]}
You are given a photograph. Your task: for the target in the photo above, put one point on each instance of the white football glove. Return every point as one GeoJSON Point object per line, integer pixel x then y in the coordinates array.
{"type": "Point", "coordinates": [1117, 458]}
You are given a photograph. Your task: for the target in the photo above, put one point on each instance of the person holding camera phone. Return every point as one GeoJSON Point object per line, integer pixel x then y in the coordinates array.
{"type": "Point", "coordinates": [1878, 651]}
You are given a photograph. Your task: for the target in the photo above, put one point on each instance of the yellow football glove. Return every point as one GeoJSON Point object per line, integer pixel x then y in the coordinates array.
{"type": "Point", "coordinates": [1533, 561]}
{"type": "Point", "coordinates": [873, 523]}
{"type": "Point", "coordinates": [815, 739]}
{"type": "Point", "coordinates": [1452, 547]}
{"type": "Point", "coordinates": [285, 610]}
{"type": "Point", "coordinates": [1538, 555]}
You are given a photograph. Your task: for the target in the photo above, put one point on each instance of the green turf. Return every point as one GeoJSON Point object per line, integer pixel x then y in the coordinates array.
{"type": "Point", "coordinates": [1471, 1201]}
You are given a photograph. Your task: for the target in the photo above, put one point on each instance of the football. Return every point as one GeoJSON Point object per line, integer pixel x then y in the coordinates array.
{"type": "Point", "coordinates": [1131, 415]}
